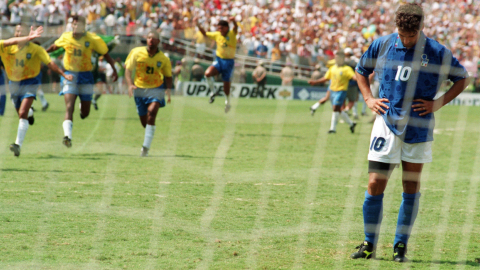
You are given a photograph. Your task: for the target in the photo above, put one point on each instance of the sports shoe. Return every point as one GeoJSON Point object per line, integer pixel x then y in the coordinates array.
{"type": "Point", "coordinates": [95, 106]}
{"type": "Point", "coordinates": [67, 141]}
{"type": "Point", "coordinates": [331, 131]}
{"type": "Point", "coordinates": [365, 251]}
{"type": "Point", "coordinates": [312, 111]}
{"type": "Point", "coordinates": [399, 252]}
{"type": "Point", "coordinates": [15, 148]}
{"type": "Point", "coordinates": [31, 120]}
{"type": "Point", "coordinates": [44, 108]}
{"type": "Point", "coordinates": [227, 108]}
{"type": "Point", "coordinates": [352, 127]}
{"type": "Point", "coordinates": [212, 99]}
{"type": "Point", "coordinates": [144, 152]}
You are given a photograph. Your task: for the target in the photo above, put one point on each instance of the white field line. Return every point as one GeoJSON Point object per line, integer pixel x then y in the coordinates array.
{"type": "Point", "coordinates": [219, 188]}
{"type": "Point", "coordinates": [469, 209]}
{"type": "Point", "coordinates": [449, 185]}
{"type": "Point", "coordinates": [356, 177]}
{"type": "Point", "coordinates": [166, 176]}
{"type": "Point", "coordinates": [108, 185]}
{"type": "Point", "coordinates": [93, 131]}
{"type": "Point", "coordinates": [268, 175]}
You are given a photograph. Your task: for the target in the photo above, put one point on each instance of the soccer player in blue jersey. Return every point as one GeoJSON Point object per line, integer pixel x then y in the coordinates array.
{"type": "Point", "coordinates": [410, 68]}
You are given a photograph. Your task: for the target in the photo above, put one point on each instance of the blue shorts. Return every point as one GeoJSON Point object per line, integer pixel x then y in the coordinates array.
{"type": "Point", "coordinates": [24, 89]}
{"type": "Point", "coordinates": [81, 85]}
{"type": "Point", "coordinates": [337, 97]}
{"type": "Point", "coordinates": [224, 67]}
{"type": "Point", "coordinates": [3, 90]}
{"type": "Point", "coordinates": [145, 96]}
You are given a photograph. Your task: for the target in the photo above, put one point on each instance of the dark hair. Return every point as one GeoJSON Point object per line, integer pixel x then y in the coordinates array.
{"type": "Point", "coordinates": [223, 23]}
{"type": "Point", "coordinates": [409, 17]}
{"type": "Point", "coordinates": [79, 19]}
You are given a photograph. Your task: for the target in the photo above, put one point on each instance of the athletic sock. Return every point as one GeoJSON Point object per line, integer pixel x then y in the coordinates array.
{"type": "Point", "coordinates": [149, 132]}
{"type": "Point", "coordinates": [96, 97]}
{"type": "Point", "coordinates": [3, 102]}
{"type": "Point", "coordinates": [315, 106]}
{"type": "Point", "coordinates": [335, 116]}
{"type": "Point", "coordinates": [346, 118]}
{"type": "Point", "coordinates": [372, 216]}
{"type": "Point", "coordinates": [211, 85]}
{"type": "Point", "coordinates": [67, 128]}
{"type": "Point", "coordinates": [406, 217]}
{"type": "Point", "coordinates": [22, 131]}
{"type": "Point", "coordinates": [41, 95]}
{"type": "Point", "coordinates": [355, 109]}
{"type": "Point", "coordinates": [227, 99]}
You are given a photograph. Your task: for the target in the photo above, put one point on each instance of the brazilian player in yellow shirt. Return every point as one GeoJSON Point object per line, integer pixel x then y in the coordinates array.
{"type": "Point", "coordinates": [152, 79]}
{"type": "Point", "coordinates": [22, 60]}
{"type": "Point", "coordinates": [339, 76]}
{"type": "Point", "coordinates": [79, 46]}
{"type": "Point", "coordinates": [224, 63]}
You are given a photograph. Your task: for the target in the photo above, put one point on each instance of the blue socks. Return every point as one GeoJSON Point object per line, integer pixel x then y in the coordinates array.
{"type": "Point", "coordinates": [406, 217]}
{"type": "Point", "coordinates": [3, 100]}
{"type": "Point", "coordinates": [372, 216]}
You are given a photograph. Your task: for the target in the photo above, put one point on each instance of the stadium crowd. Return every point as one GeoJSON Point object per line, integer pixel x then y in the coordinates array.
{"type": "Point", "coordinates": [299, 32]}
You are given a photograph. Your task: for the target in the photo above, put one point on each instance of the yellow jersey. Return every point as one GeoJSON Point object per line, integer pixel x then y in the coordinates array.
{"type": "Point", "coordinates": [78, 52]}
{"type": "Point", "coordinates": [23, 63]}
{"type": "Point", "coordinates": [149, 71]}
{"type": "Point", "coordinates": [226, 46]}
{"type": "Point", "coordinates": [339, 77]}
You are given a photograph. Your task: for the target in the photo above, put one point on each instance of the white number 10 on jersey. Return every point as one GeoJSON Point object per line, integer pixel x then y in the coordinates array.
{"type": "Point", "coordinates": [403, 73]}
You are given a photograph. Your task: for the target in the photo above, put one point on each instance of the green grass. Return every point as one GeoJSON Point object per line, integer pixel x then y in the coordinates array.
{"type": "Point", "coordinates": [264, 187]}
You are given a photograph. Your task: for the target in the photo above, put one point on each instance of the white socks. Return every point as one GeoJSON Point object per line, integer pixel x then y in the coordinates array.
{"type": "Point", "coordinates": [346, 118]}
{"type": "Point", "coordinates": [67, 128]}
{"type": "Point", "coordinates": [335, 116]}
{"type": "Point", "coordinates": [227, 99]}
{"type": "Point", "coordinates": [41, 95]}
{"type": "Point", "coordinates": [315, 106]}
{"type": "Point", "coordinates": [354, 109]}
{"type": "Point", "coordinates": [211, 84]}
{"type": "Point", "coordinates": [149, 132]}
{"type": "Point", "coordinates": [22, 131]}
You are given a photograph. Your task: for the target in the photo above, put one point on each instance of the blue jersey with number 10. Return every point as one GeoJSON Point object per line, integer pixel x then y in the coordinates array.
{"type": "Point", "coordinates": [408, 74]}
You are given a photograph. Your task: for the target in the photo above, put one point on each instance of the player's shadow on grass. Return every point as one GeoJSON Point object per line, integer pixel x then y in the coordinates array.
{"type": "Point", "coordinates": [91, 156]}
{"type": "Point", "coordinates": [187, 156]}
{"type": "Point", "coordinates": [29, 170]}
{"type": "Point", "coordinates": [268, 135]}
{"type": "Point", "coordinates": [467, 263]}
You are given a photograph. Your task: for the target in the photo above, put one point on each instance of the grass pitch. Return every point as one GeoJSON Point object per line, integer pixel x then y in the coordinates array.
{"type": "Point", "coordinates": [263, 187]}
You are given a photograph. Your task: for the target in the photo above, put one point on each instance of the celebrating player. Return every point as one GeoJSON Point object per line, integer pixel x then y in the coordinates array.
{"type": "Point", "coordinates": [22, 60]}
{"type": "Point", "coordinates": [339, 76]}
{"type": "Point", "coordinates": [226, 40]}
{"type": "Point", "coordinates": [410, 68]}
{"type": "Point", "coordinates": [79, 45]}
{"type": "Point", "coordinates": [153, 79]}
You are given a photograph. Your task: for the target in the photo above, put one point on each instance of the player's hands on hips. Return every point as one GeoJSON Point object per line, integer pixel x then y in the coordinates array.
{"type": "Point", "coordinates": [377, 105]}
{"type": "Point", "coordinates": [424, 106]}
{"type": "Point", "coordinates": [68, 77]}
{"type": "Point", "coordinates": [131, 87]}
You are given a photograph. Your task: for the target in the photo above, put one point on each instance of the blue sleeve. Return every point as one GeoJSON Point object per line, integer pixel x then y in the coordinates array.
{"type": "Point", "coordinates": [457, 71]}
{"type": "Point", "coordinates": [367, 62]}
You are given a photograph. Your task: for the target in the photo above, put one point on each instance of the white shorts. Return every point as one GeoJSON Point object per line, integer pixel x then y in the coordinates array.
{"type": "Point", "coordinates": [386, 147]}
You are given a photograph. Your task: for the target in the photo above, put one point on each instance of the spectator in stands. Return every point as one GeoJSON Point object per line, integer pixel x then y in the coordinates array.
{"type": "Point", "coordinates": [287, 75]}
{"type": "Point", "coordinates": [260, 77]}
{"type": "Point", "coordinates": [261, 50]}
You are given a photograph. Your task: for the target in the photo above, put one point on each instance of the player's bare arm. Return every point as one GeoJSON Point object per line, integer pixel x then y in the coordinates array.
{"type": "Point", "coordinates": [235, 25]}
{"type": "Point", "coordinates": [430, 106]}
{"type": "Point", "coordinates": [317, 82]}
{"type": "Point", "coordinates": [56, 69]}
{"type": "Point", "coordinates": [131, 86]}
{"type": "Point", "coordinates": [168, 86]}
{"type": "Point", "coordinates": [110, 60]}
{"type": "Point", "coordinates": [200, 28]}
{"type": "Point", "coordinates": [377, 105]}
{"type": "Point", "coordinates": [52, 48]}
{"type": "Point", "coordinates": [33, 34]}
